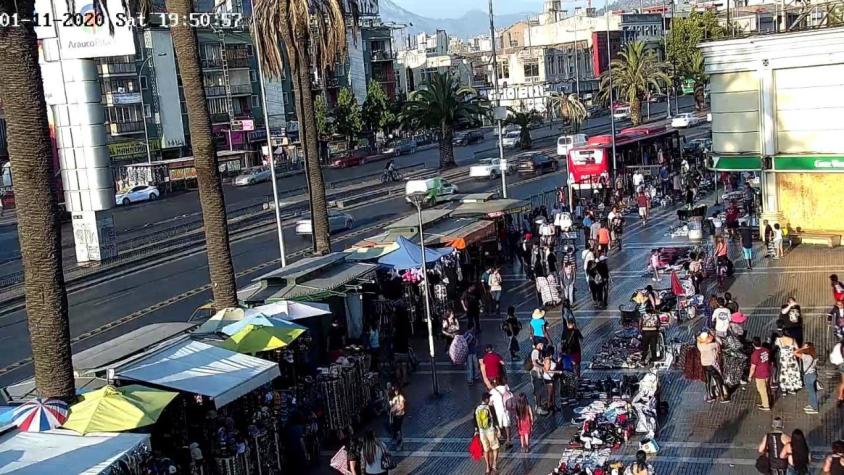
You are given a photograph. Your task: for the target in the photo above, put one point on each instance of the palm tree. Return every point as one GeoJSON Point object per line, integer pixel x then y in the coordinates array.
{"type": "Point", "coordinates": [220, 268]}
{"type": "Point", "coordinates": [313, 34]}
{"type": "Point", "coordinates": [634, 74]}
{"type": "Point", "coordinates": [570, 108]}
{"type": "Point", "coordinates": [697, 73]}
{"type": "Point", "coordinates": [524, 120]}
{"type": "Point", "coordinates": [442, 103]}
{"type": "Point", "coordinates": [37, 207]}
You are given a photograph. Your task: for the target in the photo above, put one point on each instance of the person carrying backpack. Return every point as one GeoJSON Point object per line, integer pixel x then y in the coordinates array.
{"type": "Point", "coordinates": [486, 427]}
{"type": "Point", "coordinates": [504, 403]}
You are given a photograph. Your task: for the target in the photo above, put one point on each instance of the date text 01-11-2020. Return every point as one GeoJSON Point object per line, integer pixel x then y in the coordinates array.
{"type": "Point", "coordinates": [93, 19]}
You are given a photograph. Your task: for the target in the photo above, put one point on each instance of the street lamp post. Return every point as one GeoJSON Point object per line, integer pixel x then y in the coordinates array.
{"type": "Point", "coordinates": [418, 198]}
{"type": "Point", "coordinates": [271, 158]}
{"type": "Point", "coordinates": [665, 46]}
{"type": "Point", "coordinates": [502, 164]}
{"type": "Point", "coordinates": [609, 73]}
{"type": "Point", "coordinates": [143, 107]}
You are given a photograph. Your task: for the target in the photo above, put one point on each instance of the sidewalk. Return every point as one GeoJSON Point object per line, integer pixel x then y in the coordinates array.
{"type": "Point", "coordinates": [695, 437]}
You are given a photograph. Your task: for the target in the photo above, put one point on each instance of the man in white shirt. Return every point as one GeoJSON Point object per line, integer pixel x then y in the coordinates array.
{"type": "Point", "coordinates": [638, 178]}
{"type": "Point", "coordinates": [721, 319]}
{"type": "Point", "coordinates": [588, 256]}
{"type": "Point", "coordinates": [496, 399]}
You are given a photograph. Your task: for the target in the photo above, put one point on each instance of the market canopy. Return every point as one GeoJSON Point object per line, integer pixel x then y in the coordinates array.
{"type": "Point", "coordinates": [369, 252]}
{"type": "Point", "coordinates": [221, 319]}
{"type": "Point", "coordinates": [257, 338]}
{"type": "Point", "coordinates": [491, 208]}
{"type": "Point", "coordinates": [290, 310]}
{"type": "Point", "coordinates": [409, 255]}
{"type": "Point", "coordinates": [460, 233]}
{"type": "Point", "coordinates": [112, 409]}
{"type": "Point", "coordinates": [260, 320]}
{"type": "Point", "coordinates": [200, 368]}
{"type": "Point", "coordinates": [62, 451]}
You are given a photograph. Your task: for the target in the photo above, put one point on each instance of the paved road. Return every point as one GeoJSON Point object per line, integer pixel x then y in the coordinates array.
{"type": "Point", "coordinates": [179, 206]}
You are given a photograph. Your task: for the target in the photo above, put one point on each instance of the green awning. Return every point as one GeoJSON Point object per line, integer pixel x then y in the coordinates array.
{"type": "Point", "coordinates": [736, 163]}
{"type": "Point", "coordinates": [809, 163]}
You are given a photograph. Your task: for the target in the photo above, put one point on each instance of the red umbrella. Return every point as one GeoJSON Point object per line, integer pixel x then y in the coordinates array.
{"type": "Point", "coordinates": [676, 286]}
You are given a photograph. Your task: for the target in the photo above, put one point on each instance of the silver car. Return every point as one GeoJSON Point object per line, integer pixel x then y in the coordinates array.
{"type": "Point", "coordinates": [337, 221]}
{"type": "Point", "coordinates": [250, 176]}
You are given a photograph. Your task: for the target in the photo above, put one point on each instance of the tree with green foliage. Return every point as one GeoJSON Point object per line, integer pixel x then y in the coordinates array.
{"type": "Point", "coordinates": [524, 120]}
{"type": "Point", "coordinates": [571, 109]}
{"type": "Point", "coordinates": [347, 117]}
{"type": "Point", "coordinates": [324, 121]}
{"type": "Point", "coordinates": [442, 103]}
{"type": "Point", "coordinates": [697, 74]}
{"type": "Point", "coordinates": [685, 36]}
{"type": "Point", "coordinates": [635, 73]}
{"type": "Point", "coordinates": [377, 115]}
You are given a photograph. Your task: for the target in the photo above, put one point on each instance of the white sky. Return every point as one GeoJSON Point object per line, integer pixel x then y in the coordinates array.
{"type": "Point", "coordinates": [456, 8]}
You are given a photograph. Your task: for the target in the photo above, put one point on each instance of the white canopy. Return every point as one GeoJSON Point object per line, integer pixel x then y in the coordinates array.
{"type": "Point", "coordinates": [290, 310]}
{"type": "Point", "coordinates": [62, 451]}
{"type": "Point", "coordinates": [221, 319]}
{"type": "Point", "coordinates": [199, 368]}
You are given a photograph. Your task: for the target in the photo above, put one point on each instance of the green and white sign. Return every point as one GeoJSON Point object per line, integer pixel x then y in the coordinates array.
{"type": "Point", "coordinates": [736, 163]}
{"type": "Point", "coordinates": [809, 163]}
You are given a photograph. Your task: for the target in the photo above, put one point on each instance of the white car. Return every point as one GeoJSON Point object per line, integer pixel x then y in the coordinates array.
{"type": "Point", "coordinates": [490, 168]}
{"type": "Point", "coordinates": [251, 176]}
{"type": "Point", "coordinates": [137, 194]}
{"type": "Point", "coordinates": [709, 116]}
{"type": "Point", "coordinates": [512, 140]}
{"type": "Point", "coordinates": [621, 113]}
{"type": "Point", "coordinates": [686, 119]}
{"type": "Point", "coordinates": [506, 129]}
{"type": "Point", "coordinates": [337, 221]}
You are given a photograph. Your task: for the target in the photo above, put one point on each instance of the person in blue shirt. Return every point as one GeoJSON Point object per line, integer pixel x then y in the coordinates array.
{"type": "Point", "coordinates": [539, 326]}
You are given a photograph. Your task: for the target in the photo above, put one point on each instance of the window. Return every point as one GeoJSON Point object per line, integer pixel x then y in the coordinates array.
{"type": "Point", "coordinates": [255, 101]}
{"type": "Point", "coordinates": [253, 76]}
{"type": "Point", "coordinates": [217, 105]}
{"type": "Point", "coordinates": [144, 84]}
{"type": "Point", "coordinates": [249, 52]}
{"type": "Point", "coordinates": [531, 70]}
{"type": "Point", "coordinates": [124, 114]}
{"type": "Point", "coordinates": [147, 111]}
{"type": "Point", "coordinates": [504, 70]}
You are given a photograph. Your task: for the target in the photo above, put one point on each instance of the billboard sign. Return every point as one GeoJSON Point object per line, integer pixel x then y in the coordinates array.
{"type": "Point", "coordinates": [366, 8]}
{"type": "Point", "coordinates": [84, 32]}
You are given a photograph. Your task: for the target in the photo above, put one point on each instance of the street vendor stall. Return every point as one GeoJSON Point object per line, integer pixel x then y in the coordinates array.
{"type": "Point", "coordinates": [199, 368]}
{"type": "Point", "coordinates": [62, 451]}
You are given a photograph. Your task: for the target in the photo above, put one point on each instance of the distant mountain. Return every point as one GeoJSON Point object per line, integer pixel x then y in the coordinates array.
{"type": "Point", "coordinates": [472, 23]}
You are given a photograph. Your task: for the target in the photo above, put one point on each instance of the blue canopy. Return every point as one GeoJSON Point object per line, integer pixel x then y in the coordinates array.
{"type": "Point", "coordinates": [409, 255]}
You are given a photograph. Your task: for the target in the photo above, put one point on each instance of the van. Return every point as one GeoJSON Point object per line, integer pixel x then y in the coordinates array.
{"type": "Point", "coordinates": [568, 142]}
{"type": "Point", "coordinates": [436, 190]}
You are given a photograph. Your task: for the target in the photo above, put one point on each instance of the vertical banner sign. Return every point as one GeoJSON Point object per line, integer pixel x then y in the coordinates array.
{"type": "Point", "coordinates": [84, 32]}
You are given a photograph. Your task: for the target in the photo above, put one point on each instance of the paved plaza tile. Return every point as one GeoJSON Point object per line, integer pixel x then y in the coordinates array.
{"type": "Point", "coordinates": [695, 437]}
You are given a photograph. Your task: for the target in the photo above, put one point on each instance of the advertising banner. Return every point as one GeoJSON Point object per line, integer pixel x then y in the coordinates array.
{"type": "Point", "coordinates": [84, 32]}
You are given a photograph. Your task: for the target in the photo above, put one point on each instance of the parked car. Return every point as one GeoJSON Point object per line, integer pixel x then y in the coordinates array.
{"type": "Point", "coordinates": [568, 142]}
{"type": "Point", "coordinates": [657, 97]}
{"type": "Point", "coordinates": [254, 175]}
{"type": "Point", "coordinates": [490, 168]}
{"type": "Point", "coordinates": [512, 140]}
{"type": "Point", "coordinates": [436, 189]}
{"type": "Point", "coordinates": [401, 148]}
{"type": "Point", "coordinates": [506, 129]}
{"type": "Point", "coordinates": [350, 159]}
{"type": "Point", "coordinates": [337, 221]}
{"type": "Point", "coordinates": [686, 119]}
{"type": "Point", "coordinates": [137, 194]}
{"type": "Point", "coordinates": [536, 163]}
{"type": "Point", "coordinates": [468, 137]}
{"type": "Point", "coordinates": [697, 145]}
{"type": "Point", "coordinates": [596, 111]}
{"type": "Point", "coordinates": [709, 116]}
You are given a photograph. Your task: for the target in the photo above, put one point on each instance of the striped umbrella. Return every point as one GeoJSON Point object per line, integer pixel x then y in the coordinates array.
{"type": "Point", "coordinates": [39, 414]}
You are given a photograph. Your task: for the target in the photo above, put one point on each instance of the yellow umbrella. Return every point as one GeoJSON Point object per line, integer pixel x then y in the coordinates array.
{"type": "Point", "coordinates": [255, 338]}
{"type": "Point", "coordinates": [111, 409]}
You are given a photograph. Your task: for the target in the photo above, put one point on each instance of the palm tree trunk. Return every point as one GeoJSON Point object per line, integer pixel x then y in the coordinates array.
{"type": "Point", "coordinates": [308, 134]}
{"type": "Point", "coordinates": [220, 268]}
{"type": "Point", "coordinates": [39, 231]}
{"type": "Point", "coordinates": [446, 147]}
{"type": "Point", "coordinates": [636, 111]}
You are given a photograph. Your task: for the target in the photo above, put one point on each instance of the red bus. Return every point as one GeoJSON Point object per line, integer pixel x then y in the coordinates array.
{"type": "Point", "coordinates": [635, 147]}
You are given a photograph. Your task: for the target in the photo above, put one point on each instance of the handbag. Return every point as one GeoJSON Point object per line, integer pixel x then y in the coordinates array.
{"type": "Point", "coordinates": [340, 461]}
{"type": "Point", "coordinates": [762, 465]}
{"type": "Point", "coordinates": [387, 462]}
{"type": "Point", "coordinates": [476, 450]}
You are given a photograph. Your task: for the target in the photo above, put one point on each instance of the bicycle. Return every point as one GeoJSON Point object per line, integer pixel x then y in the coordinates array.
{"type": "Point", "coordinates": [389, 177]}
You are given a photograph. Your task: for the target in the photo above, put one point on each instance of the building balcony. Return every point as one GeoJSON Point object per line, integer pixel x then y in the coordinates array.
{"type": "Point", "coordinates": [122, 98]}
{"type": "Point", "coordinates": [231, 63]}
{"type": "Point", "coordinates": [241, 89]}
{"type": "Point", "coordinates": [122, 128]}
{"type": "Point", "coordinates": [213, 63]}
{"type": "Point", "coordinates": [215, 91]}
{"type": "Point", "coordinates": [238, 63]}
{"type": "Point", "coordinates": [380, 55]}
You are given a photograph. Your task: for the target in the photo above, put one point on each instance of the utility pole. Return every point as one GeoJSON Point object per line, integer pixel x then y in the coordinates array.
{"type": "Point", "coordinates": [609, 73]}
{"type": "Point", "coordinates": [502, 164]}
{"type": "Point", "coordinates": [576, 58]}
{"type": "Point", "coordinates": [665, 43]}
{"type": "Point", "coordinates": [674, 66]}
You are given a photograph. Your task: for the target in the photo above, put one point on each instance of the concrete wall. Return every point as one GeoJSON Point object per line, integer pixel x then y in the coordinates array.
{"type": "Point", "coordinates": [735, 112]}
{"type": "Point", "coordinates": [808, 200]}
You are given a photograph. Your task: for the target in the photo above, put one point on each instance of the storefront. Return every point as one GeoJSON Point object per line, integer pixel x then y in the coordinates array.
{"type": "Point", "coordinates": [776, 109]}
